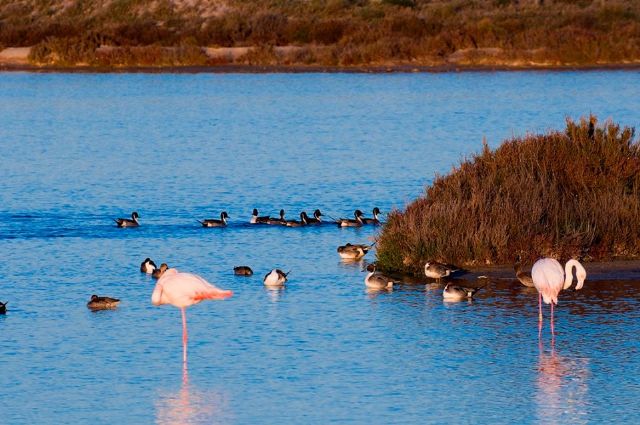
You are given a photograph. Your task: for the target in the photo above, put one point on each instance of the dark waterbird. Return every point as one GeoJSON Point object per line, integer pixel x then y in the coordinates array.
{"type": "Point", "coordinates": [458, 293]}
{"type": "Point", "coordinates": [523, 277]}
{"type": "Point", "coordinates": [128, 222]}
{"type": "Point", "coordinates": [375, 219]}
{"type": "Point", "coordinates": [437, 271]}
{"type": "Point", "coordinates": [347, 222]}
{"type": "Point", "coordinates": [255, 219]}
{"type": "Point", "coordinates": [212, 222]}
{"type": "Point", "coordinates": [242, 271]}
{"type": "Point", "coordinates": [148, 266]}
{"type": "Point", "coordinates": [3, 307]}
{"type": "Point", "coordinates": [276, 221]}
{"type": "Point", "coordinates": [157, 273]}
{"type": "Point", "coordinates": [102, 303]}
{"type": "Point", "coordinates": [353, 252]}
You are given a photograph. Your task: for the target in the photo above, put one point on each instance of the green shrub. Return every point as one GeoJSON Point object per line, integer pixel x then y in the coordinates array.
{"type": "Point", "coordinates": [563, 194]}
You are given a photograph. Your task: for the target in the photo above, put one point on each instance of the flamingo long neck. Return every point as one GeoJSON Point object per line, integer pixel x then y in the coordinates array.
{"type": "Point", "coordinates": [568, 272]}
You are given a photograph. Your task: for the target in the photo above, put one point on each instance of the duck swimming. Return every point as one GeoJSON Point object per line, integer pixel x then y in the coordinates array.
{"type": "Point", "coordinates": [347, 222]}
{"type": "Point", "coordinates": [276, 278]}
{"type": "Point", "coordinates": [126, 222]}
{"type": "Point", "coordinates": [376, 280]}
{"type": "Point", "coordinates": [242, 271]}
{"type": "Point", "coordinates": [437, 270]}
{"type": "Point", "coordinates": [373, 220]}
{"type": "Point", "coordinates": [102, 303]}
{"type": "Point", "coordinates": [3, 307]}
{"type": "Point", "coordinates": [148, 266]}
{"type": "Point", "coordinates": [315, 219]}
{"type": "Point", "coordinates": [255, 219]}
{"type": "Point", "coordinates": [353, 252]}
{"type": "Point", "coordinates": [458, 293]}
{"type": "Point", "coordinates": [295, 223]}
{"type": "Point", "coordinates": [212, 222]}
{"type": "Point", "coordinates": [281, 221]}
{"type": "Point", "coordinates": [157, 273]}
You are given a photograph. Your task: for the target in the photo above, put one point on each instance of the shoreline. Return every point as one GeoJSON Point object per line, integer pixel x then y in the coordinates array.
{"type": "Point", "coordinates": [302, 69]}
{"type": "Point", "coordinates": [615, 270]}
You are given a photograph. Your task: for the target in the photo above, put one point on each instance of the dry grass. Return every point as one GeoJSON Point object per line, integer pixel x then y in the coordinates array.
{"type": "Point", "coordinates": [559, 194]}
{"type": "Point", "coordinates": [356, 32]}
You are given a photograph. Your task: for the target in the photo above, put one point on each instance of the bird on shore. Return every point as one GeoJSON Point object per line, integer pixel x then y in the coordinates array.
{"type": "Point", "coordinates": [3, 307]}
{"type": "Point", "coordinates": [242, 271]}
{"type": "Point", "coordinates": [157, 273]}
{"type": "Point", "coordinates": [255, 219]}
{"type": "Point", "coordinates": [436, 270]}
{"type": "Point", "coordinates": [102, 303]}
{"type": "Point", "coordinates": [128, 222]}
{"type": "Point", "coordinates": [276, 278]}
{"type": "Point", "coordinates": [296, 223]}
{"type": "Point", "coordinates": [523, 277]}
{"type": "Point", "coordinates": [375, 219]}
{"type": "Point", "coordinates": [549, 278]}
{"type": "Point", "coordinates": [278, 221]}
{"type": "Point", "coordinates": [183, 290]}
{"type": "Point", "coordinates": [353, 252]}
{"type": "Point", "coordinates": [376, 280]}
{"type": "Point", "coordinates": [212, 222]}
{"type": "Point", "coordinates": [148, 266]}
{"type": "Point", "coordinates": [458, 293]}
{"type": "Point", "coordinates": [347, 222]}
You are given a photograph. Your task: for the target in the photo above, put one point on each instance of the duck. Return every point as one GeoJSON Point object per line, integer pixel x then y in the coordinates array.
{"type": "Point", "coordinates": [523, 277]}
{"type": "Point", "coordinates": [376, 280]}
{"type": "Point", "coordinates": [296, 223]}
{"type": "Point", "coordinates": [212, 222]}
{"type": "Point", "coordinates": [347, 222]}
{"type": "Point", "coordinates": [276, 278]}
{"type": "Point", "coordinates": [128, 222]}
{"type": "Point", "coordinates": [281, 221]}
{"type": "Point", "coordinates": [157, 273]}
{"type": "Point", "coordinates": [353, 252]}
{"type": "Point", "coordinates": [148, 266]}
{"type": "Point", "coordinates": [255, 219]}
{"type": "Point", "coordinates": [3, 307]}
{"type": "Point", "coordinates": [315, 219]}
{"type": "Point", "coordinates": [436, 270]}
{"type": "Point", "coordinates": [242, 271]}
{"type": "Point", "coordinates": [373, 220]}
{"type": "Point", "coordinates": [458, 293]}
{"type": "Point", "coordinates": [102, 303]}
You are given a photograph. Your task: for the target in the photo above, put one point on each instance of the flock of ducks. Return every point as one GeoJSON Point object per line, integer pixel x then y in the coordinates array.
{"type": "Point", "coordinates": [358, 220]}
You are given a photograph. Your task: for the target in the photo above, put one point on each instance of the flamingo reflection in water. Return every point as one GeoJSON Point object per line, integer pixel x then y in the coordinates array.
{"type": "Point", "coordinates": [562, 389]}
{"type": "Point", "coordinates": [192, 406]}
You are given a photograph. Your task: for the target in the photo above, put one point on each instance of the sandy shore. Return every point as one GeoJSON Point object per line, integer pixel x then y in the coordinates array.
{"type": "Point", "coordinates": [16, 59]}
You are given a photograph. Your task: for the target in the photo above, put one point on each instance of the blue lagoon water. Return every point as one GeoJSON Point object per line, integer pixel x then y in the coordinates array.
{"type": "Point", "coordinates": [77, 151]}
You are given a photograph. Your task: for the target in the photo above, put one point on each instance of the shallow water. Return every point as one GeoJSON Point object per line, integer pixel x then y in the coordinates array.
{"type": "Point", "coordinates": [77, 151]}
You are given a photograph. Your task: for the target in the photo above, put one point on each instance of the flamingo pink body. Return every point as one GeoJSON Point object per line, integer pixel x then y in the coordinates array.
{"type": "Point", "coordinates": [549, 278]}
{"type": "Point", "coordinates": [183, 290]}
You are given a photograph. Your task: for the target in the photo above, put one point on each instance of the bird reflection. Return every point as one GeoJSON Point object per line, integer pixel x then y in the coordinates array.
{"type": "Point", "coordinates": [274, 293]}
{"type": "Point", "coordinates": [561, 388]}
{"type": "Point", "coordinates": [190, 406]}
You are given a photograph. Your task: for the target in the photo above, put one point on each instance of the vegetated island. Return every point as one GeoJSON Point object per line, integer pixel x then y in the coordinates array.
{"type": "Point", "coordinates": [562, 194]}
{"type": "Point", "coordinates": [317, 35]}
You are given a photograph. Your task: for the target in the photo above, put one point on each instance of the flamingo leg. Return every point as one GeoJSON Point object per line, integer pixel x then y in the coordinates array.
{"type": "Point", "coordinates": [552, 331]}
{"type": "Point", "coordinates": [184, 336]}
{"type": "Point", "coordinates": [540, 307]}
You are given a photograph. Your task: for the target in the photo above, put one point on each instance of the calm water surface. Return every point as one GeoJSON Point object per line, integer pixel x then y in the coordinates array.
{"type": "Point", "coordinates": [79, 150]}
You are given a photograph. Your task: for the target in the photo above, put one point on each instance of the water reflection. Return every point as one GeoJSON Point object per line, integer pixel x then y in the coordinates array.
{"type": "Point", "coordinates": [191, 406]}
{"type": "Point", "coordinates": [561, 388]}
{"type": "Point", "coordinates": [275, 293]}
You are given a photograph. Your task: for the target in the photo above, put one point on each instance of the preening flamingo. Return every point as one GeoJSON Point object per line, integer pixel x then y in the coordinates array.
{"type": "Point", "coordinates": [183, 290]}
{"type": "Point", "coordinates": [549, 279]}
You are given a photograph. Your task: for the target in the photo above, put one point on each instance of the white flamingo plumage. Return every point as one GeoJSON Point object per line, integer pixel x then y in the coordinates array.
{"type": "Point", "coordinates": [183, 290]}
{"type": "Point", "coordinates": [549, 278]}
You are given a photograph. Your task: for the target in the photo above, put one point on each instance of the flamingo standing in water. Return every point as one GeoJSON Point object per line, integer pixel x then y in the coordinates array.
{"type": "Point", "coordinates": [549, 279]}
{"type": "Point", "coordinates": [183, 290]}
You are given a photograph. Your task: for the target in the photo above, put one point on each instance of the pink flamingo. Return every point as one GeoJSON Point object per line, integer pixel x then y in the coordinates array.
{"type": "Point", "coordinates": [183, 290]}
{"type": "Point", "coordinates": [549, 279]}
